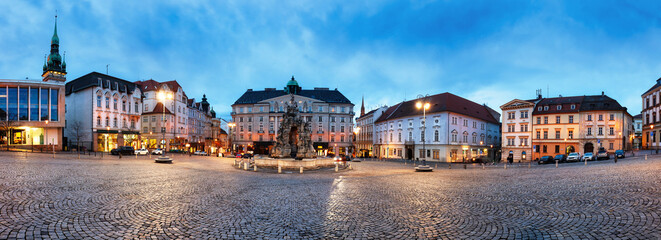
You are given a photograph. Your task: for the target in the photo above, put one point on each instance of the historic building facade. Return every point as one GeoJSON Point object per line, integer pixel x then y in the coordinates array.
{"type": "Point", "coordinates": [564, 125]}
{"type": "Point", "coordinates": [366, 131]}
{"type": "Point", "coordinates": [257, 116]}
{"type": "Point", "coordinates": [651, 114]}
{"type": "Point", "coordinates": [103, 112]}
{"type": "Point", "coordinates": [457, 130]}
{"type": "Point", "coordinates": [169, 99]}
{"type": "Point", "coordinates": [517, 129]}
{"type": "Point", "coordinates": [638, 131]}
{"type": "Point", "coordinates": [32, 112]}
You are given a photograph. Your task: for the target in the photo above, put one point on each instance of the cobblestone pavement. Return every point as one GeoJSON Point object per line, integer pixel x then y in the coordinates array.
{"type": "Point", "coordinates": [205, 197]}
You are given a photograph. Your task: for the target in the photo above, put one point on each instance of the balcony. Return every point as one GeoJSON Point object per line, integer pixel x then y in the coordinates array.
{"type": "Point", "coordinates": [320, 132]}
{"type": "Point", "coordinates": [409, 142]}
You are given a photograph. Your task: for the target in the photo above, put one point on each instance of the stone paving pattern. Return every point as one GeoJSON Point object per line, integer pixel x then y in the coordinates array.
{"type": "Point", "coordinates": [206, 198]}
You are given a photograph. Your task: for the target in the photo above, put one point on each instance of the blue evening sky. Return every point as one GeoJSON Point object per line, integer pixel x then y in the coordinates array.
{"type": "Point", "coordinates": [486, 51]}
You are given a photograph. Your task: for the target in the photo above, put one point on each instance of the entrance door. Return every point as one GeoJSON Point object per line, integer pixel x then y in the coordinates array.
{"type": "Point", "coordinates": [409, 153]}
{"type": "Point", "coordinates": [588, 148]}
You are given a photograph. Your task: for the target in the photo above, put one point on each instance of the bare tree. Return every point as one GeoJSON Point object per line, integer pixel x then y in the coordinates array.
{"type": "Point", "coordinates": [76, 131]}
{"type": "Point", "coordinates": [7, 123]}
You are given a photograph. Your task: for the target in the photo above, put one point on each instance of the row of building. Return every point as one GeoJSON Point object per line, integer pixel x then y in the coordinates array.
{"type": "Point", "coordinates": [99, 112]}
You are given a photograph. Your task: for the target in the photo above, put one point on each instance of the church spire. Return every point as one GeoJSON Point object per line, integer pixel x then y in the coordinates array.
{"type": "Point", "coordinates": [362, 107]}
{"type": "Point", "coordinates": [54, 68]}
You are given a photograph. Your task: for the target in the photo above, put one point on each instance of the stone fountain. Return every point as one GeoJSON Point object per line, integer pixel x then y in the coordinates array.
{"type": "Point", "coordinates": [294, 136]}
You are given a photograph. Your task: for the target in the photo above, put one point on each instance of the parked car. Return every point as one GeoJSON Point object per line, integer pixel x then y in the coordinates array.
{"type": "Point", "coordinates": [124, 150]}
{"type": "Point", "coordinates": [200, 153]}
{"type": "Point", "coordinates": [157, 151]}
{"type": "Point", "coordinates": [602, 154]}
{"type": "Point", "coordinates": [246, 155]}
{"type": "Point", "coordinates": [560, 158]}
{"type": "Point", "coordinates": [142, 151]}
{"type": "Point", "coordinates": [545, 160]}
{"type": "Point", "coordinates": [588, 157]}
{"type": "Point", "coordinates": [176, 151]}
{"type": "Point", "coordinates": [574, 157]}
{"type": "Point", "coordinates": [619, 153]}
{"type": "Point", "coordinates": [220, 154]}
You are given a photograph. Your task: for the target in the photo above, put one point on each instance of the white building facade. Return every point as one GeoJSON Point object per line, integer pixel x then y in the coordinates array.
{"type": "Point", "coordinates": [457, 130]}
{"type": "Point", "coordinates": [517, 129]}
{"type": "Point", "coordinates": [367, 131]}
{"type": "Point", "coordinates": [103, 112]}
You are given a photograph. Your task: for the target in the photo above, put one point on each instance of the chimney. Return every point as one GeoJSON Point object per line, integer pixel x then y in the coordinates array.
{"type": "Point", "coordinates": [602, 93]}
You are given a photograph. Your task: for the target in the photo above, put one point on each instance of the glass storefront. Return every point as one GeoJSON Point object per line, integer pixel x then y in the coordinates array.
{"type": "Point", "coordinates": [131, 140]}
{"type": "Point", "coordinates": [23, 136]}
{"type": "Point", "coordinates": [107, 142]}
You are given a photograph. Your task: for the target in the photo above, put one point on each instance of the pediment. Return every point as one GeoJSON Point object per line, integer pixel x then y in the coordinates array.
{"type": "Point", "coordinates": [517, 103]}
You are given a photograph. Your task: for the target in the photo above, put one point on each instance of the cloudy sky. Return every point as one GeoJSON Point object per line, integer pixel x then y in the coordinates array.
{"type": "Point", "coordinates": [486, 51]}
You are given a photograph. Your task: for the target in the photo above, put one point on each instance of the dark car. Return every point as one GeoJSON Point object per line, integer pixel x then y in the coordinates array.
{"type": "Point", "coordinates": [246, 155]}
{"type": "Point", "coordinates": [560, 158]}
{"type": "Point", "coordinates": [619, 153]}
{"type": "Point", "coordinates": [124, 150]}
{"type": "Point", "coordinates": [602, 154]}
{"type": "Point", "coordinates": [545, 160]}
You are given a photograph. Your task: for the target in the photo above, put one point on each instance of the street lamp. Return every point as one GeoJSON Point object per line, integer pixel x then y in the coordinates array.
{"type": "Point", "coordinates": [355, 145]}
{"type": "Point", "coordinates": [231, 135]}
{"type": "Point", "coordinates": [425, 106]}
{"type": "Point", "coordinates": [163, 96]}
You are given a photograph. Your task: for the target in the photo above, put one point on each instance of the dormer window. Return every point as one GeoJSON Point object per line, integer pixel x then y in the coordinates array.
{"type": "Point", "coordinates": [573, 106]}
{"type": "Point", "coordinates": [539, 108]}
{"type": "Point", "coordinates": [559, 107]}
{"type": "Point", "coordinates": [546, 108]}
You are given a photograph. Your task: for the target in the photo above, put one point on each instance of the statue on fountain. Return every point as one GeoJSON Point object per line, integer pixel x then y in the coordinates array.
{"type": "Point", "coordinates": [294, 139]}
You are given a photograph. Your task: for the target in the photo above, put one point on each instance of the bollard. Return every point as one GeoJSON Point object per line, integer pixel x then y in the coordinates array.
{"type": "Point", "coordinates": [301, 169]}
{"type": "Point", "coordinates": [556, 163]}
{"type": "Point", "coordinates": [464, 166]}
{"type": "Point", "coordinates": [450, 166]}
{"type": "Point", "coordinates": [234, 164]}
{"type": "Point", "coordinates": [483, 166]}
{"type": "Point", "coordinates": [505, 166]}
{"type": "Point", "coordinates": [136, 156]}
{"type": "Point", "coordinates": [279, 169]}
{"type": "Point", "coordinates": [645, 156]}
{"type": "Point", "coordinates": [255, 168]}
{"type": "Point", "coordinates": [529, 164]}
{"type": "Point", "coordinates": [337, 168]}
{"type": "Point", "coordinates": [586, 162]}
{"type": "Point", "coordinates": [615, 158]}
{"type": "Point", "coordinates": [436, 165]}
{"type": "Point", "coordinates": [245, 166]}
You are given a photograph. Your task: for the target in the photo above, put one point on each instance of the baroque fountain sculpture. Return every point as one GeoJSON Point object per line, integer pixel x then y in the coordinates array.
{"type": "Point", "coordinates": [294, 136]}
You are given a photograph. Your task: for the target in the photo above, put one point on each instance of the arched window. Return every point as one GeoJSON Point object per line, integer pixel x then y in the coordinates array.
{"type": "Point", "coordinates": [454, 136]}
{"type": "Point", "coordinates": [98, 119]}
{"type": "Point", "coordinates": [107, 122]}
{"type": "Point", "coordinates": [436, 136]}
{"type": "Point", "coordinates": [114, 122]}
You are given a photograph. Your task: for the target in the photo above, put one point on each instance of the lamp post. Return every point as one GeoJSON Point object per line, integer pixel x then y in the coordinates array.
{"type": "Point", "coordinates": [231, 136]}
{"type": "Point", "coordinates": [424, 105]}
{"type": "Point", "coordinates": [162, 96]}
{"type": "Point", "coordinates": [355, 146]}
{"type": "Point", "coordinates": [651, 135]}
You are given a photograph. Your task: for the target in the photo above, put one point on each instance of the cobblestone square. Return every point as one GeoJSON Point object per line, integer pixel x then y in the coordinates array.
{"type": "Point", "coordinates": [42, 197]}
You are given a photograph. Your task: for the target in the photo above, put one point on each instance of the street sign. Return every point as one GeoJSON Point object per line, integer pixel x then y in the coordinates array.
{"type": "Point", "coordinates": [598, 141]}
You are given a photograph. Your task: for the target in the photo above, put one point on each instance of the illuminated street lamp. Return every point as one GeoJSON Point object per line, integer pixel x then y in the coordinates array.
{"type": "Point", "coordinates": [231, 126]}
{"type": "Point", "coordinates": [162, 96]}
{"type": "Point", "coordinates": [355, 145]}
{"type": "Point", "coordinates": [424, 104]}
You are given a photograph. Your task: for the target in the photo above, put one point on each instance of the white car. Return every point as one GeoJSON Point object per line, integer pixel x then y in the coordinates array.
{"type": "Point", "coordinates": [588, 156]}
{"type": "Point", "coordinates": [142, 151]}
{"type": "Point", "coordinates": [201, 153]}
{"type": "Point", "coordinates": [574, 157]}
{"type": "Point", "coordinates": [157, 151]}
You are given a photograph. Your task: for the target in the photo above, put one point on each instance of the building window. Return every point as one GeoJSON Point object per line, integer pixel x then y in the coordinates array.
{"type": "Point", "coordinates": [544, 149]}
{"type": "Point", "coordinates": [454, 137]}
{"type": "Point", "coordinates": [557, 119]}
{"type": "Point", "coordinates": [571, 119]}
{"type": "Point", "coordinates": [342, 129]}
{"type": "Point", "coordinates": [571, 134]}
{"type": "Point", "coordinates": [557, 134]}
{"type": "Point", "coordinates": [557, 148]}
{"type": "Point", "coordinates": [610, 146]}
{"type": "Point", "coordinates": [465, 123]}
{"type": "Point", "coordinates": [399, 137]}
{"type": "Point", "coordinates": [98, 120]}
{"type": "Point", "coordinates": [107, 122]}
{"type": "Point", "coordinates": [601, 131]}
{"type": "Point", "coordinates": [546, 120]}
{"type": "Point", "coordinates": [114, 122]}
{"type": "Point", "coordinates": [611, 117]}
{"type": "Point", "coordinates": [590, 117]}
{"type": "Point", "coordinates": [611, 131]}
{"type": "Point", "coordinates": [98, 101]}
{"type": "Point", "coordinates": [107, 102]}
{"type": "Point", "coordinates": [573, 106]}
{"type": "Point", "coordinates": [559, 107]}
{"type": "Point", "coordinates": [589, 131]}
{"type": "Point", "coordinates": [539, 120]}
{"type": "Point", "coordinates": [601, 117]}
{"type": "Point", "coordinates": [546, 134]}
{"type": "Point", "coordinates": [538, 135]}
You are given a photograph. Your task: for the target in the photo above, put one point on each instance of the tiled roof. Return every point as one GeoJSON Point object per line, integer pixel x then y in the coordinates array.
{"type": "Point", "coordinates": [581, 103]}
{"type": "Point", "coordinates": [368, 113]}
{"type": "Point", "coordinates": [92, 80]}
{"type": "Point", "coordinates": [658, 83]}
{"type": "Point", "coordinates": [325, 95]}
{"type": "Point", "coordinates": [564, 102]}
{"type": "Point", "coordinates": [600, 103]}
{"type": "Point", "coordinates": [441, 103]}
{"type": "Point", "coordinates": [159, 109]}
{"type": "Point", "coordinates": [151, 85]}
{"type": "Point", "coordinates": [639, 116]}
